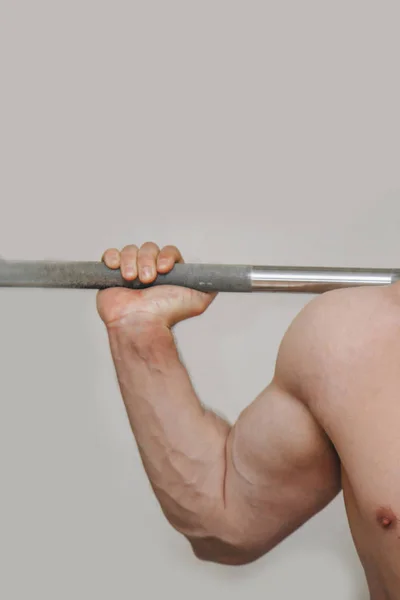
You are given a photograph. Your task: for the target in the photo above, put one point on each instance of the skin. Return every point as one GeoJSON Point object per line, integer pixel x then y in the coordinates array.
{"type": "Point", "coordinates": [328, 420]}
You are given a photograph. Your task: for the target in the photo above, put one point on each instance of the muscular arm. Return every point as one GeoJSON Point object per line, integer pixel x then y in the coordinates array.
{"type": "Point", "coordinates": [233, 491]}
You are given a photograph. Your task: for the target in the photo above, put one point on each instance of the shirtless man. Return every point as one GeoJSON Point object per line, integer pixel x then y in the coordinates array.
{"type": "Point", "coordinates": [329, 420]}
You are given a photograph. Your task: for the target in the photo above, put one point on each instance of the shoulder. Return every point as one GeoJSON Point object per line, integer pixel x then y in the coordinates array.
{"type": "Point", "coordinates": [338, 334]}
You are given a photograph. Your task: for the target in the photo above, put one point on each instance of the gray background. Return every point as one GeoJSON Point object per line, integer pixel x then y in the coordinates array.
{"type": "Point", "coordinates": [249, 132]}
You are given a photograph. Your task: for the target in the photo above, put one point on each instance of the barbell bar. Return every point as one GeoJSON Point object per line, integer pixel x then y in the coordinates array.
{"type": "Point", "coordinates": [203, 277]}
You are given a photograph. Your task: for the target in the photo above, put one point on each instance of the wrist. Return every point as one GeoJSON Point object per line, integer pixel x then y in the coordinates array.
{"type": "Point", "coordinates": [137, 322]}
{"type": "Point", "coordinates": [142, 335]}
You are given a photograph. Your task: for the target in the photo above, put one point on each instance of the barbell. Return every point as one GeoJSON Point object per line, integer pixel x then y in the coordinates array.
{"type": "Point", "coordinates": [203, 277]}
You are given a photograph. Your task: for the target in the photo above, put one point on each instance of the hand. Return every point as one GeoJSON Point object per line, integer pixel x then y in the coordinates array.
{"type": "Point", "coordinates": [165, 304]}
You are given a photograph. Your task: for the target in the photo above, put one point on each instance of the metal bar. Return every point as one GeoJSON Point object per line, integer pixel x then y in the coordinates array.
{"type": "Point", "coordinates": [204, 277]}
{"type": "Point", "coordinates": [316, 280]}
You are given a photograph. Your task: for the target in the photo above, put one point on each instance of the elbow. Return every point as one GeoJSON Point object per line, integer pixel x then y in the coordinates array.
{"type": "Point", "coordinates": [224, 552]}
{"type": "Point", "coordinates": [225, 559]}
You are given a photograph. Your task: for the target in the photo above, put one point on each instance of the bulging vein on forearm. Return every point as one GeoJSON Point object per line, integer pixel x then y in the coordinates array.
{"type": "Point", "coordinates": [182, 445]}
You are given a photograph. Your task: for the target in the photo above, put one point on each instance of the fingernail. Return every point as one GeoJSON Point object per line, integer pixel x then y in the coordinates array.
{"type": "Point", "coordinates": [146, 272]}
{"type": "Point", "coordinates": [129, 272]}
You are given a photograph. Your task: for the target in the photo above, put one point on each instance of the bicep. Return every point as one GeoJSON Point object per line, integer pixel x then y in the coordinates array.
{"type": "Point", "coordinates": [281, 469]}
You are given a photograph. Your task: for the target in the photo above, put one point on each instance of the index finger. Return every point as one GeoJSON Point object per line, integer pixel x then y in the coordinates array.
{"type": "Point", "coordinates": [169, 255]}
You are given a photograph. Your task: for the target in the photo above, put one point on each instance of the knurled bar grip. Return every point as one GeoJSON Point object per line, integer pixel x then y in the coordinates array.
{"type": "Point", "coordinates": [96, 275]}
{"type": "Point", "coordinates": [203, 277]}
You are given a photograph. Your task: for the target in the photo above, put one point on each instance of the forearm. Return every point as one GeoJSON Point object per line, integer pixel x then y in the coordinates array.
{"type": "Point", "coordinates": [182, 445]}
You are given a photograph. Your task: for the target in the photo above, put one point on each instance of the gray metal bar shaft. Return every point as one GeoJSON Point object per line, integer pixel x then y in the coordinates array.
{"type": "Point", "coordinates": [204, 277]}
{"type": "Point", "coordinates": [314, 280]}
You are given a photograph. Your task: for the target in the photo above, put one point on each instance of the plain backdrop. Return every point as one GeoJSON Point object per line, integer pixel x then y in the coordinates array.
{"type": "Point", "coordinates": [264, 132]}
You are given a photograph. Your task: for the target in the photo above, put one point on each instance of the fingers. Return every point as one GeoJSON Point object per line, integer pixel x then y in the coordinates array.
{"type": "Point", "coordinates": [168, 256]}
{"type": "Point", "coordinates": [112, 258]}
{"type": "Point", "coordinates": [129, 262]}
{"type": "Point", "coordinates": [145, 262]}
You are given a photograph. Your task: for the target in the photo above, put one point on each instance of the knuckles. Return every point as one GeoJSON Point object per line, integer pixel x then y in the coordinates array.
{"type": "Point", "coordinates": [145, 255]}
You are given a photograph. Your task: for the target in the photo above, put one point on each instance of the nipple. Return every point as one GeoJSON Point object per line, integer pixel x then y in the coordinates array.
{"type": "Point", "coordinates": [386, 518]}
